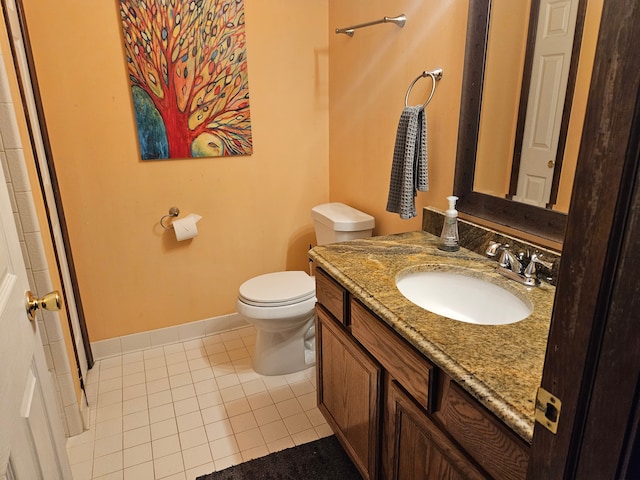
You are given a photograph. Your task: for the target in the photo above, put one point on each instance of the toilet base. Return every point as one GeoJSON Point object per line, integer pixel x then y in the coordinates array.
{"type": "Point", "coordinates": [280, 353]}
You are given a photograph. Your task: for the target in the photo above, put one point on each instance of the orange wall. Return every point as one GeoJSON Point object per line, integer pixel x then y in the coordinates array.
{"type": "Point", "coordinates": [369, 76]}
{"type": "Point", "coordinates": [133, 276]}
{"type": "Point", "coordinates": [508, 28]}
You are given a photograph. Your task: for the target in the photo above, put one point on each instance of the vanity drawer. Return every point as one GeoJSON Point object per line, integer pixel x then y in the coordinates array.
{"type": "Point", "coordinates": [503, 454]}
{"type": "Point", "coordinates": [332, 296]}
{"type": "Point", "coordinates": [405, 364]}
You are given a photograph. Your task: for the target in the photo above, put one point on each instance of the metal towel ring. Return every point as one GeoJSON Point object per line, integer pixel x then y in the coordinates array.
{"type": "Point", "coordinates": [435, 75]}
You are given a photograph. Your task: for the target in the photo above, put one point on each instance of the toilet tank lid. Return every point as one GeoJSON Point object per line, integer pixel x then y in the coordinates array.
{"type": "Point", "coordinates": [341, 217]}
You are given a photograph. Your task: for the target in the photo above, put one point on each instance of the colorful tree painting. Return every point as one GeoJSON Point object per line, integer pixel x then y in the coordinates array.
{"type": "Point", "coordinates": [187, 67]}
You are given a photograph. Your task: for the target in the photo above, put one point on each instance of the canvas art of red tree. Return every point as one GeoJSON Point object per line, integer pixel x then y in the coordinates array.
{"type": "Point", "coordinates": [187, 67]}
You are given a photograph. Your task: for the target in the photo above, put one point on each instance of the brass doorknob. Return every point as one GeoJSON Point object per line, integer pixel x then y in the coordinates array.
{"type": "Point", "coordinates": [51, 301]}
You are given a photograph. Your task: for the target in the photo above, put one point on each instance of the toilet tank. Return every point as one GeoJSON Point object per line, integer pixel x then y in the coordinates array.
{"type": "Point", "coordinates": [337, 222]}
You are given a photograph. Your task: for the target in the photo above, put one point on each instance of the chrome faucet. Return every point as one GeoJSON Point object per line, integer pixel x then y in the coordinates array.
{"type": "Point", "coordinates": [506, 259]}
{"type": "Point", "coordinates": [509, 260]}
{"type": "Point", "coordinates": [521, 268]}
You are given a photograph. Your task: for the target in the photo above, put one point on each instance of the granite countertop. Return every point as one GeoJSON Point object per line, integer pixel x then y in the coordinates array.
{"type": "Point", "coordinates": [499, 365]}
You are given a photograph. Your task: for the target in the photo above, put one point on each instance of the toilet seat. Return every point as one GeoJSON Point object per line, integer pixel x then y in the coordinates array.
{"type": "Point", "coordinates": [277, 289]}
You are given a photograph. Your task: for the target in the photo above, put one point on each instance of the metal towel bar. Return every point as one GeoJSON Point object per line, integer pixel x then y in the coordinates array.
{"type": "Point", "coordinates": [400, 20]}
{"type": "Point", "coordinates": [435, 76]}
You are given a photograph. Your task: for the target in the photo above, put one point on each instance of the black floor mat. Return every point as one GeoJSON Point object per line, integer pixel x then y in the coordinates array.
{"type": "Point", "coordinates": [323, 459]}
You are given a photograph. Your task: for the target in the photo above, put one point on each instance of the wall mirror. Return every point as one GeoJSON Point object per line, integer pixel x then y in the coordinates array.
{"type": "Point", "coordinates": [518, 110]}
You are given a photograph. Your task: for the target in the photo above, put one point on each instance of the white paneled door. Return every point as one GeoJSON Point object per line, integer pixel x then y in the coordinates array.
{"type": "Point", "coordinates": [31, 434]}
{"type": "Point", "coordinates": [549, 76]}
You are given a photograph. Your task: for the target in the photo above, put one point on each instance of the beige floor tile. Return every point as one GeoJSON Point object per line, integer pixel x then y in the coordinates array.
{"type": "Point", "coordinates": [195, 456]}
{"type": "Point", "coordinates": [168, 465]}
{"type": "Point", "coordinates": [187, 409]}
{"type": "Point", "coordinates": [224, 447]}
{"type": "Point", "coordinates": [165, 446]}
{"type": "Point", "coordinates": [143, 471]}
{"type": "Point", "coordinates": [193, 438]}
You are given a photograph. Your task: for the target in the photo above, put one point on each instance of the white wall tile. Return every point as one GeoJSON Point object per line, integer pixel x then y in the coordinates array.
{"type": "Point", "coordinates": [5, 165]}
{"type": "Point", "coordinates": [9, 127]}
{"type": "Point", "coordinates": [17, 170]}
{"type": "Point", "coordinates": [164, 336]}
{"type": "Point", "coordinates": [59, 355]}
{"type": "Point", "coordinates": [59, 408]}
{"type": "Point", "coordinates": [75, 422]}
{"type": "Point", "coordinates": [27, 210]}
{"type": "Point", "coordinates": [16, 218]}
{"type": "Point", "coordinates": [52, 325]}
{"type": "Point", "coordinates": [30, 274]}
{"type": "Point", "coordinates": [85, 412]}
{"type": "Point", "coordinates": [43, 284]}
{"type": "Point", "coordinates": [188, 331]}
{"type": "Point", "coordinates": [235, 320]}
{"type": "Point", "coordinates": [47, 356]}
{"type": "Point", "coordinates": [169, 335]}
{"type": "Point", "coordinates": [36, 251]}
{"type": "Point", "coordinates": [67, 390]}
{"type": "Point", "coordinates": [5, 91]}
{"type": "Point", "coordinates": [25, 255]}
{"type": "Point", "coordinates": [42, 331]}
{"type": "Point", "coordinates": [137, 341]}
{"type": "Point", "coordinates": [224, 323]}
{"type": "Point", "coordinates": [12, 197]}
{"type": "Point", "coordinates": [106, 348]}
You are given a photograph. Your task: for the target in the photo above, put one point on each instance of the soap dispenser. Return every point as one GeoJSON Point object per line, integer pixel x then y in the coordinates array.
{"type": "Point", "coordinates": [449, 236]}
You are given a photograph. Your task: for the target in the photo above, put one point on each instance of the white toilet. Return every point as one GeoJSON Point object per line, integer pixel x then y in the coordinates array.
{"type": "Point", "coordinates": [281, 305]}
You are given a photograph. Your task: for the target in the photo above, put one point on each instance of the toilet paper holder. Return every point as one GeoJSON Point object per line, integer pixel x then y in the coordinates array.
{"type": "Point", "coordinates": [173, 212]}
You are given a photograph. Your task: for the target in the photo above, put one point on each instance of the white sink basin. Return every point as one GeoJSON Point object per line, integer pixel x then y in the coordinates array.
{"type": "Point", "coordinates": [461, 297]}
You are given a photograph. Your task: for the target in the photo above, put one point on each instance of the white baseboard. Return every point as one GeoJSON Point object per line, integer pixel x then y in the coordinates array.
{"type": "Point", "coordinates": [165, 336]}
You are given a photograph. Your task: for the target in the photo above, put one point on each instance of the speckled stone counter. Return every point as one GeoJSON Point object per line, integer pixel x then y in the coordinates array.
{"type": "Point", "coordinates": [499, 365]}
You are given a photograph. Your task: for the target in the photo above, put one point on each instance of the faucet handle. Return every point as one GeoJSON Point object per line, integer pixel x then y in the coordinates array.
{"type": "Point", "coordinates": [493, 248]}
{"type": "Point", "coordinates": [538, 259]}
{"type": "Point", "coordinates": [530, 271]}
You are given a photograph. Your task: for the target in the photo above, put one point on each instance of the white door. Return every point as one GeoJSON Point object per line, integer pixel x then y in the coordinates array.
{"type": "Point", "coordinates": [549, 76]}
{"type": "Point", "coordinates": [31, 435]}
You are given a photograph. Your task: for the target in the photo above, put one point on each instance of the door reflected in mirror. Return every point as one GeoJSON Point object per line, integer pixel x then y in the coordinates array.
{"type": "Point", "coordinates": [534, 96]}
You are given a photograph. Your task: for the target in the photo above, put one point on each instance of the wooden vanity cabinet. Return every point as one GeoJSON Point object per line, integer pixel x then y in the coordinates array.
{"type": "Point", "coordinates": [397, 415]}
{"type": "Point", "coordinates": [417, 448]}
{"type": "Point", "coordinates": [349, 382]}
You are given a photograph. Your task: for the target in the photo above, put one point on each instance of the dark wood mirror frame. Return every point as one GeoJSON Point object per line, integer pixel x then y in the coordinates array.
{"type": "Point", "coordinates": [533, 220]}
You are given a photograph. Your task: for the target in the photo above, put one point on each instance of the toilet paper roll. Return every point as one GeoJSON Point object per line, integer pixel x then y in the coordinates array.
{"type": "Point", "coordinates": [186, 227]}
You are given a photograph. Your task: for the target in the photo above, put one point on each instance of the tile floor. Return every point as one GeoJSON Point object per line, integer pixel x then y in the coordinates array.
{"type": "Point", "coordinates": [191, 408]}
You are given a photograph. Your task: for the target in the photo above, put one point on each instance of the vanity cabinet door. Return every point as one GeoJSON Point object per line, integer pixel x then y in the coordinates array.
{"type": "Point", "coordinates": [348, 392]}
{"type": "Point", "coordinates": [501, 453]}
{"type": "Point", "coordinates": [416, 447]}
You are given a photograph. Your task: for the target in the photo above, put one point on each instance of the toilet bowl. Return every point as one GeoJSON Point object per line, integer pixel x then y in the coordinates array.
{"type": "Point", "coordinates": [281, 305]}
